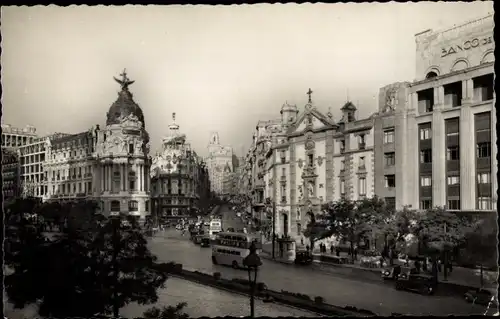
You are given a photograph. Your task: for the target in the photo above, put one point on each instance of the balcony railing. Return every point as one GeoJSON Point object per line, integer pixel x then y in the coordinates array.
{"type": "Point", "coordinates": [362, 146]}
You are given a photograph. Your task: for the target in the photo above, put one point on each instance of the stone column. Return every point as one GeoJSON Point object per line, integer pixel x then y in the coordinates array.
{"type": "Point", "coordinates": [494, 164]}
{"type": "Point", "coordinates": [467, 160]}
{"type": "Point", "coordinates": [123, 173]}
{"type": "Point", "coordinates": [467, 91]}
{"type": "Point", "coordinates": [438, 160]}
{"type": "Point", "coordinates": [105, 176]}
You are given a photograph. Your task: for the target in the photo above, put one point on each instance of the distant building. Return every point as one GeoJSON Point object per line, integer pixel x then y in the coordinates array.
{"type": "Point", "coordinates": [435, 137]}
{"type": "Point", "coordinates": [13, 137]}
{"type": "Point", "coordinates": [219, 158]}
{"type": "Point", "coordinates": [10, 174]}
{"type": "Point", "coordinates": [69, 167]}
{"type": "Point", "coordinates": [179, 178]}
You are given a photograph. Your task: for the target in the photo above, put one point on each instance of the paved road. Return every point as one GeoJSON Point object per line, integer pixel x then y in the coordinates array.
{"type": "Point", "coordinates": [207, 301]}
{"type": "Point", "coordinates": [381, 299]}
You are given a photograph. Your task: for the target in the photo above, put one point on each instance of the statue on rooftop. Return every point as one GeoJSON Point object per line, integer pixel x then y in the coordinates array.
{"type": "Point", "coordinates": [125, 81]}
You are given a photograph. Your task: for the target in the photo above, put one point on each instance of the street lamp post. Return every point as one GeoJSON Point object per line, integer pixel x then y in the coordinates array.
{"type": "Point", "coordinates": [115, 223]}
{"type": "Point", "coordinates": [252, 262]}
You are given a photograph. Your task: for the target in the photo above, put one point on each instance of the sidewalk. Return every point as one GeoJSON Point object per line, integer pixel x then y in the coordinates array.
{"type": "Point", "coordinates": [460, 278]}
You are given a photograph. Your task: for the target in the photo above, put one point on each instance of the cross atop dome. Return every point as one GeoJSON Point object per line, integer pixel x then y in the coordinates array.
{"type": "Point", "coordinates": [125, 81]}
{"type": "Point", "coordinates": [310, 92]}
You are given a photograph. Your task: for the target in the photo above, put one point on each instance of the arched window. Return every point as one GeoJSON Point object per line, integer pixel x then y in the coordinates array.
{"type": "Point", "coordinates": [431, 75]}
{"type": "Point", "coordinates": [115, 206]}
{"type": "Point", "coordinates": [133, 206]}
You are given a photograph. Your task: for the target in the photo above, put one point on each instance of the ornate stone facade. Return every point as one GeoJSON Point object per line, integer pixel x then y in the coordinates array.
{"type": "Point", "coordinates": [121, 152]}
{"type": "Point", "coordinates": [308, 159]}
{"type": "Point", "coordinates": [178, 177]}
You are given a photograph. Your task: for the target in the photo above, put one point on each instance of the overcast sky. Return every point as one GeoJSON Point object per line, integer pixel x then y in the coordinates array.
{"type": "Point", "coordinates": [220, 68]}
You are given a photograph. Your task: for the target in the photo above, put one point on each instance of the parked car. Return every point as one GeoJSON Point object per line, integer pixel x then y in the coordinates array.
{"type": "Point", "coordinates": [414, 281]}
{"type": "Point", "coordinates": [482, 296]}
{"type": "Point", "coordinates": [391, 273]}
{"type": "Point", "coordinates": [303, 257]}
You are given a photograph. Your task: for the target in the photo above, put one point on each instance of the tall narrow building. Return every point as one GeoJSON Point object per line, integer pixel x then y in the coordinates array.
{"type": "Point", "coordinates": [219, 157]}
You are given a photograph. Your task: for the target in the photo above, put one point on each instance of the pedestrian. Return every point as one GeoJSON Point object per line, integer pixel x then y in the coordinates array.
{"type": "Point", "coordinates": [356, 252]}
{"type": "Point", "coordinates": [338, 252]}
{"type": "Point", "coordinates": [302, 241]}
{"type": "Point", "coordinates": [307, 247]}
{"type": "Point", "coordinates": [331, 249]}
{"type": "Point", "coordinates": [417, 266]}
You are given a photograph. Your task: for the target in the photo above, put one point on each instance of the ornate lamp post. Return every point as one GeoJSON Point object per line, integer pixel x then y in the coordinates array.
{"type": "Point", "coordinates": [252, 262]}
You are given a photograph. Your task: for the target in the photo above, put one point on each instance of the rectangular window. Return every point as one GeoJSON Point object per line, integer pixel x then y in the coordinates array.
{"type": "Point", "coordinates": [483, 150]}
{"type": "Point", "coordinates": [453, 180]}
{"type": "Point", "coordinates": [362, 161]}
{"type": "Point", "coordinates": [484, 203]}
{"type": "Point", "coordinates": [342, 187]}
{"type": "Point", "coordinates": [311, 159]}
{"type": "Point", "coordinates": [425, 133]}
{"type": "Point", "coordinates": [131, 185]}
{"type": "Point", "coordinates": [454, 204]}
{"type": "Point", "coordinates": [426, 156]}
{"type": "Point", "coordinates": [283, 171]}
{"type": "Point", "coordinates": [484, 178]}
{"type": "Point", "coordinates": [425, 181]}
{"type": "Point", "coordinates": [342, 146]}
{"type": "Point", "coordinates": [388, 136]}
{"type": "Point", "coordinates": [390, 181]}
{"type": "Point", "coordinates": [390, 159]}
{"type": "Point", "coordinates": [131, 148]}
{"type": "Point", "coordinates": [342, 165]}
{"type": "Point", "coordinates": [79, 187]}
{"type": "Point", "coordinates": [452, 126]}
{"type": "Point", "coordinates": [362, 186]}
{"type": "Point", "coordinates": [453, 153]}
{"type": "Point", "coordinates": [426, 204]}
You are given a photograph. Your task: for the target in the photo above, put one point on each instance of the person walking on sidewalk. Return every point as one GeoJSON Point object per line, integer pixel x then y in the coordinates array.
{"type": "Point", "coordinates": [331, 249]}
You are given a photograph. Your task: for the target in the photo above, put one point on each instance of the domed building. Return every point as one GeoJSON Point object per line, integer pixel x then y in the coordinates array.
{"type": "Point", "coordinates": [121, 158]}
{"type": "Point", "coordinates": [178, 177]}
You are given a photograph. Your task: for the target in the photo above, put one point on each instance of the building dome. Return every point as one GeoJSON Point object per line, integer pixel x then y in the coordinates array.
{"type": "Point", "coordinates": [125, 105]}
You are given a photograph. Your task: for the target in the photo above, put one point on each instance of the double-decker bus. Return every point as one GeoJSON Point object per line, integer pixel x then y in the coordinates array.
{"type": "Point", "coordinates": [230, 248]}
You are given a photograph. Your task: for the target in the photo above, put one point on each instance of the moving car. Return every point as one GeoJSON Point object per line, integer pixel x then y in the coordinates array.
{"type": "Point", "coordinates": [303, 257]}
{"type": "Point", "coordinates": [205, 242]}
{"type": "Point", "coordinates": [392, 273]}
{"type": "Point", "coordinates": [482, 296]}
{"type": "Point", "coordinates": [414, 281]}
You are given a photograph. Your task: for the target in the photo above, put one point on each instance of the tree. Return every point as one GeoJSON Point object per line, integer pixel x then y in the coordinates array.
{"type": "Point", "coordinates": [169, 312]}
{"type": "Point", "coordinates": [74, 275]}
{"type": "Point", "coordinates": [439, 231]}
{"type": "Point", "coordinates": [481, 245]}
{"type": "Point", "coordinates": [394, 228]}
{"type": "Point", "coordinates": [374, 212]}
{"type": "Point", "coordinates": [346, 221]}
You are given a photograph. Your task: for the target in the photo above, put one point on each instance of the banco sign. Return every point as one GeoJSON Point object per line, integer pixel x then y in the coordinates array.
{"type": "Point", "coordinates": [467, 45]}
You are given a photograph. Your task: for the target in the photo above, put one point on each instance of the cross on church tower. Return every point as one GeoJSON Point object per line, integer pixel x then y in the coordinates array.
{"type": "Point", "coordinates": [310, 92]}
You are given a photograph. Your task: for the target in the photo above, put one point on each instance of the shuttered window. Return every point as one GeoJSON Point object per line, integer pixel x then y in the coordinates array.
{"type": "Point", "coordinates": [482, 121]}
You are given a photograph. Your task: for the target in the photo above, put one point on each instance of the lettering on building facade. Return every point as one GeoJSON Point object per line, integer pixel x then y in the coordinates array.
{"type": "Point", "coordinates": [467, 45]}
